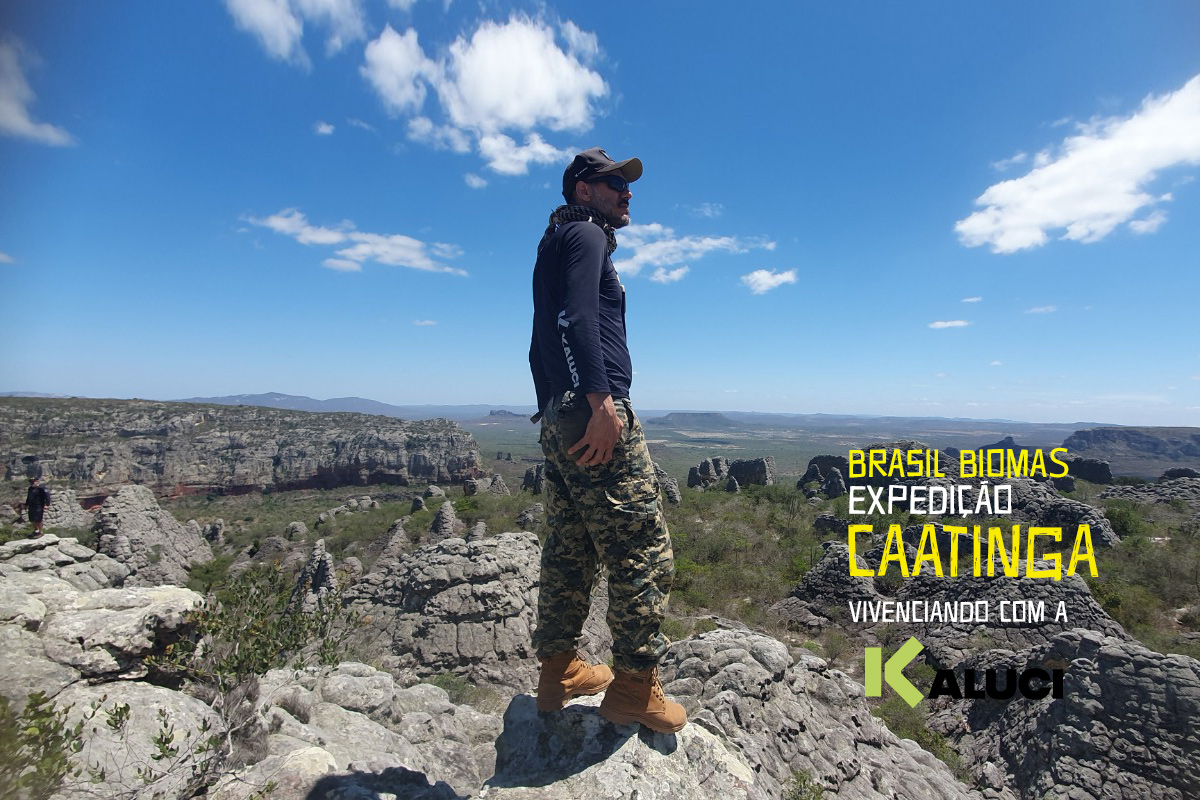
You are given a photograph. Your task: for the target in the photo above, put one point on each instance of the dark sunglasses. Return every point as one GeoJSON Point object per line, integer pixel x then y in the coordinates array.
{"type": "Point", "coordinates": [615, 182]}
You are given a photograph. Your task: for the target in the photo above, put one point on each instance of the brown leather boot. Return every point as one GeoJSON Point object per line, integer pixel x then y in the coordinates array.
{"type": "Point", "coordinates": [639, 697]}
{"type": "Point", "coordinates": [565, 675]}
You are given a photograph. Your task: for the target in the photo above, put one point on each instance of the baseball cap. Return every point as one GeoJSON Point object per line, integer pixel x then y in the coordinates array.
{"type": "Point", "coordinates": [595, 161]}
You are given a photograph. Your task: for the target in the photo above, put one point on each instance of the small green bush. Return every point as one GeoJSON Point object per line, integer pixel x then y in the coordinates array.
{"type": "Point", "coordinates": [803, 787]}
{"type": "Point", "coordinates": [36, 746]}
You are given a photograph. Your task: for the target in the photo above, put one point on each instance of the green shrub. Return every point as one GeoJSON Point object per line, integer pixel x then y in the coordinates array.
{"type": "Point", "coordinates": [36, 746]}
{"type": "Point", "coordinates": [803, 787]}
{"type": "Point", "coordinates": [1126, 518]}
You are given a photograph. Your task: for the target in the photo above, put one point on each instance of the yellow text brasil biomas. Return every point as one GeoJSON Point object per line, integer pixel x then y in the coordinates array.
{"type": "Point", "coordinates": [994, 463]}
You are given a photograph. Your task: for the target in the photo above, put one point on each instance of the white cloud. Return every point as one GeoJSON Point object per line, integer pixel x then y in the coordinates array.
{"type": "Point", "coordinates": [15, 98]}
{"type": "Point", "coordinates": [1096, 182]}
{"type": "Point", "coordinates": [343, 18]}
{"type": "Point", "coordinates": [509, 158]}
{"type": "Point", "coordinates": [1150, 224]}
{"type": "Point", "coordinates": [514, 75]}
{"type": "Point", "coordinates": [762, 281]}
{"type": "Point", "coordinates": [655, 245]}
{"type": "Point", "coordinates": [397, 69]}
{"type": "Point", "coordinates": [403, 5]}
{"type": "Point", "coordinates": [580, 43]}
{"type": "Point", "coordinates": [950, 323]}
{"type": "Point", "coordinates": [424, 322]}
{"type": "Point", "coordinates": [474, 181]}
{"type": "Point", "coordinates": [439, 137]}
{"type": "Point", "coordinates": [996, 363]}
{"type": "Point", "coordinates": [663, 275]}
{"type": "Point", "coordinates": [507, 77]}
{"type": "Point", "coordinates": [279, 24]}
{"type": "Point", "coordinates": [1042, 310]}
{"type": "Point", "coordinates": [975, 299]}
{"type": "Point", "coordinates": [707, 210]}
{"type": "Point", "coordinates": [358, 123]}
{"type": "Point", "coordinates": [5, 258]}
{"type": "Point", "coordinates": [391, 249]}
{"type": "Point", "coordinates": [1012, 161]}
{"type": "Point", "coordinates": [323, 128]}
{"type": "Point", "coordinates": [276, 26]}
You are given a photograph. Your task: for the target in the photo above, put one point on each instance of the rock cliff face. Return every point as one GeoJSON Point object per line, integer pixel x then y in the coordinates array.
{"type": "Point", "coordinates": [1145, 452]}
{"type": "Point", "coordinates": [95, 446]}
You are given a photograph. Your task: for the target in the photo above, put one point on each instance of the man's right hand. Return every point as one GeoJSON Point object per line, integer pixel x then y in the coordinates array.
{"type": "Point", "coordinates": [602, 434]}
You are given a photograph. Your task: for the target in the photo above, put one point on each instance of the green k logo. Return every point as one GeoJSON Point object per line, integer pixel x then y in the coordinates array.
{"type": "Point", "coordinates": [891, 672]}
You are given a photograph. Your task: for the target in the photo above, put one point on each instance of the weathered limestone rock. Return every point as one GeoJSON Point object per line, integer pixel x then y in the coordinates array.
{"type": "Point", "coordinates": [669, 486]}
{"type": "Point", "coordinates": [1186, 490]}
{"type": "Point", "coordinates": [833, 486]}
{"type": "Point", "coordinates": [1124, 729]}
{"type": "Point", "coordinates": [577, 753]}
{"type": "Point", "coordinates": [433, 490]}
{"type": "Point", "coordinates": [98, 446]}
{"type": "Point", "coordinates": [813, 473]}
{"type": "Point", "coordinates": [535, 479]}
{"type": "Point", "coordinates": [158, 549]}
{"type": "Point", "coordinates": [318, 580]}
{"type": "Point", "coordinates": [81, 567]}
{"type": "Point", "coordinates": [457, 606]}
{"type": "Point", "coordinates": [531, 516]}
{"type": "Point", "coordinates": [787, 715]}
{"type": "Point", "coordinates": [121, 753]}
{"type": "Point", "coordinates": [65, 511]}
{"type": "Point", "coordinates": [107, 633]}
{"type": "Point", "coordinates": [758, 471]}
{"type": "Point", "coordinates": [418, 504]}
{"type": "Point", "coordinates": [446, 524]}
{"type": "Point", "coordinates": [477, 532]}
{"type": "Point", "coordinates": [296, 530]}
{"type": "Point", "coordinates": [732, 486]}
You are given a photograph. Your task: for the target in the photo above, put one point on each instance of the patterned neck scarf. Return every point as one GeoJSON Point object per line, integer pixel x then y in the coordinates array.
{"type": "Point", "coordinates": [579, 214]}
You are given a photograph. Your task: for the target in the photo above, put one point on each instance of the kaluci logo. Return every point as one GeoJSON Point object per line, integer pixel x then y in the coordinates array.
{"type": "Point", "coordinates": [1034, 683]}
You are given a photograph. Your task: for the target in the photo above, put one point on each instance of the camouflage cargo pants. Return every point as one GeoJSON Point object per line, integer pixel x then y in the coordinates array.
{"type": "Point", "coordinates": [608, 515]}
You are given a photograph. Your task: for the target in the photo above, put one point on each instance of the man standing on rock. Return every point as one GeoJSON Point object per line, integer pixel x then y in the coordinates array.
{"type": "Point", "coordinates": [603, 504]}
{"type": "Point", "coordinates": [37, 500]}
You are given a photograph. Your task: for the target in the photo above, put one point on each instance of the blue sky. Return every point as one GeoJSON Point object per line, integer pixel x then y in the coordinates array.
{"type": "Point", "coordinates": [948, 209]}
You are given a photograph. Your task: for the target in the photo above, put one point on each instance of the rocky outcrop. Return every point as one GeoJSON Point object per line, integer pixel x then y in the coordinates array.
{"type": "Point", "coordinates": [535, 479]}
{"type": "Point", "coordinates": [668, 485]}
{"type": "Point", "coordinates": [64, 617]}
{"type": "Point", "coordinates": [813, 473]}
{"type": "Point", "coordinates": [833, 486]}
{"type": "Point", "coordinates": [158, 549]}
{"type": "Point", "coordinates": [756, 471]}
{"type": "Point", "coordinates": [1185, 490]}
{"type": "Point", "coordinates": [732, 486]}
{"type": "Point", "coordinates": [825, 591]}
{"type": "Point", "coordinates": [1144, 452]}
{"type": "Point", "coordinates": [457, 606]}
{"type": "Point", "coordinates": [1179, 472]}
{"type": "Point", "coordinates": [1124, 728]}
{"type": "Point", "coordinates": [718, 470]}
{"type": "Point", "coordinates": [786, 715]}
{"type": "Point", "coordinates": [492, 485]}
{"type": "Point", "coordinates": [96, 446]}
{"type": "Point", "coordinates": [531, 516]}
{"type": "Point", "coordinates": [446, 524]}
{"type": "Point", "coordinates": [317, 581]}
{"type": "Point", "coordinates": [1093, 470]}
{"type": "Point", "coordinates": [65, 511]}
{"type": "Point", "coordinates": [65, 559]}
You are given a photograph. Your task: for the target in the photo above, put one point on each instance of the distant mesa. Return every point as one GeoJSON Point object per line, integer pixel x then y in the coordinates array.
{"type": "Point", "coordinates": [97, 446]}
{"type": "Point", "coordinates": [503, 412]}
{"type": "Point", "coordinates": [700, 420]}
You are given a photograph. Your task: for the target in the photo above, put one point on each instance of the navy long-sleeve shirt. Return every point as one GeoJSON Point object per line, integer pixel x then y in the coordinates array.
{"type": "Point", "coordinates": [578, 339]}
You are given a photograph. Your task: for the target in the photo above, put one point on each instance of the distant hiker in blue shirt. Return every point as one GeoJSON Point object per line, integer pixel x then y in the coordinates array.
{"type": "Point", "coordinates": [603, 504]}
{"type": "Point", "coordinates": [37, 500]}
